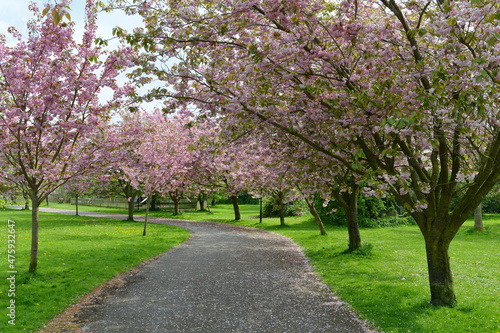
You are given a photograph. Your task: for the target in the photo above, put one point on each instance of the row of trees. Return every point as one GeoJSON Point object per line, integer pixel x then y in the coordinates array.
{"type": "Point", "coordinates": [302, 98]}
{"type": "Point", "coordinates": [389, 97]}
{"type": "Point", "coordinates": [56, 129]}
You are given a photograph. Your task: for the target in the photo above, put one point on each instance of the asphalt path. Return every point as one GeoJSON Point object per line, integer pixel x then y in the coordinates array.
{"type": "Point", "coordinates": [223, 279]}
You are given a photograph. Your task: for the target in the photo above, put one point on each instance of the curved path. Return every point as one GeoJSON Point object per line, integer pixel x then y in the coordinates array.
{"type": "Point", "coordinates": [224, 279]}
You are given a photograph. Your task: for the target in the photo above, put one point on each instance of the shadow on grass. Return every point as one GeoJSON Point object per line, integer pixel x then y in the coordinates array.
{"type": "Point", "coordinates": [273, 227]}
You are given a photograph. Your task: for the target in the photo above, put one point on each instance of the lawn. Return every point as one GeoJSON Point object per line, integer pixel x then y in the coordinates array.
{"type": "Point", "coordinates": [389, 287]}
{"type": "Point", "coordinates": [76, 255]}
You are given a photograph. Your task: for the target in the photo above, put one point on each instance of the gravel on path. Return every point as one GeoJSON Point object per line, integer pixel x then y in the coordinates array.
{"type": "Point", "coordinates": [223, 279]}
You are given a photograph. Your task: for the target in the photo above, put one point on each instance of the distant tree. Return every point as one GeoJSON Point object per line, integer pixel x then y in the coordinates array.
{"type": "Point", "coordinates": [478, 219]}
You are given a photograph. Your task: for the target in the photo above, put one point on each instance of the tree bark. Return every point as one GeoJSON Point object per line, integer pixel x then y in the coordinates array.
{"type": "Point", "coordinates": [146, 217]}
{"type": "Point", "coordinates": [260, 208]}
{"type": "Point", "coordinates": [177, 211]}
{"type": "Point", "coordinates": [131, 207]}
{"type": "Point", "coordinates": [152, 203]}
{"type": "Point", "coordinates": [349, 202]}
{"type": "Point", "coordinates": [201, 200]}
{"type": "Point", "coordinates": [76, 205]}
{"type": "Point", "coordinates": [478, 219]}
{"type": "Point", "coordinates": [440, 276]}
{"type": "Point", "coordinates": [316, 216]}
{"type": "Point", "coordinates": [130, 193]}
{"type": "Point", "coordinates": [236, 207]}
{"type": "Point", "coordinates": [26, 200]}
{"type": "Point", "coordinates": [174, 195]}
{"type": "Point", "coordinates": [282, 214]}
{"type": "Point", "coordinates": [353, 223]}
{"type": "Point", "coordinates": [35, 203]}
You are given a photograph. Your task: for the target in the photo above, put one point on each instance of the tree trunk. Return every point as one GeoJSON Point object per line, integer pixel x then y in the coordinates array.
{"type": "Point", "coordinates": [35, 203]}
{"type": "Point", "coordinates": [201, 201]}
{"type": "Point", "coordinates": [260, 208]}
{"type": "Point", "coordinates": [440, 276]}
{"type": "Point", "coordinates": [349, 201]}
{"type": "Point", "coordinates": [131, 207]}
{"type": "Point", "coordinates": [152, 203]}
{"type": "Point", "coordinates": [76, 205]}
{"type": "Point", "coordinates": [130, 193]}
{"type": "Point", "coordinates": [282, 214]}
{"type": "Point", "coordinates": [353, 225]}
{"type": "Point", "coordinates": [316, 216]}
{"type": "Point", "coordinates": [146, 217]}
{"type": "Point", "coordinates": [478, 219]}
{"type": "Point", "coordinates": [236, 207]}
{"type": "Point", "coordinates": [176, 206]}
{"type": "Point", "coordinates": [26, 201]}
{"type": "Point", "coordinates": [174, 195]}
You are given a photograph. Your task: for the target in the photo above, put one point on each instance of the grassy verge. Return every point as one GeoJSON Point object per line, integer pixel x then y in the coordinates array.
{"type": "Point", "coordinates": [388, 285]}
{"type": "Point", "coordinates": [76, 255]}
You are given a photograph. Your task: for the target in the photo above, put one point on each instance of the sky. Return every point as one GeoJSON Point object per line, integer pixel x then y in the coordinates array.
{"type": "Point", "coordinates": [15, 13]}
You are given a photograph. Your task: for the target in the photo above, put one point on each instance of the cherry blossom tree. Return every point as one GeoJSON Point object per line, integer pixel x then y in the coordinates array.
{"type": "Point", "coordinates": [50, 110]}
{"type": "Point", "coordinates": [122, 146]}
{"type": "Point", "coordinates": [169, 147]}
{"type": "Point", "coordinates": [234, 162]}
{"type": "Point", "coordinates": [222, 163]}
{"type": "Point", "coordinates": [413, 85]}
{"type": "Point", "coordinates": [162, 151]}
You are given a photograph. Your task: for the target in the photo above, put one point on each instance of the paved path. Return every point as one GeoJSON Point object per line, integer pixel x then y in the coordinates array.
{"type": "Point", "coordinates": [224, 279]}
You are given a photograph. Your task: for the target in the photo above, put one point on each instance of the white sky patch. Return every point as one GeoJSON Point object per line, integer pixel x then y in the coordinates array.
{"type": "Point", "coordinates": [16, 13]}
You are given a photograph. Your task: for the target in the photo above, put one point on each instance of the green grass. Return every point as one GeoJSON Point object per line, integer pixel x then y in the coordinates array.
{"type": "Point", "coordinates": [76, 254]}
{"type": "Point", "coordinates": [389, 287]}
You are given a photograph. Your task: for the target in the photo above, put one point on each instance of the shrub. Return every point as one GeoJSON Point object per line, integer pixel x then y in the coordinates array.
{"type": "Point", "coordinates": [372, 213]}
{"type": "Point", "coordinates": [294, 208]}
{"type": "Point", "coordinates": [491, 203]}
{"type": "Point", "coordinates": [387, 221]}
{"type": "Point", "coordinates": [243, 199]}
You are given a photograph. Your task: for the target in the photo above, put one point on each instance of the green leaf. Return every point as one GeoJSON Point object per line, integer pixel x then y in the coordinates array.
{"type": "Point", "coordinates": [101, 42]}
{"type": "Point", "coordinates": [422, 32]}
{"type": "Point", "coordinates": [357, 165]}
{"type": "Point", "coordinates": [118, 32]}
{"type": "Point", "coordinates": [56, 16]}
{"type": "Point", "coordinates": [412, 33]}
{"type": "Point", "coordinates": [480, 60]}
